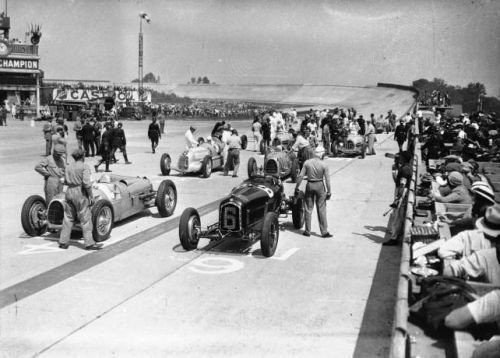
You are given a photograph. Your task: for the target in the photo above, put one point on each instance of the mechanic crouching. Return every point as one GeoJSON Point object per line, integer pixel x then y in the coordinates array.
{"type": "Point", "coordinates": [318, 176]}
{"type": "Point", "coordinates": [78, 200]}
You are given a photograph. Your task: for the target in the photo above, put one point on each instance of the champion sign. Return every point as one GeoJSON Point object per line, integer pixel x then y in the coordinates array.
{"type": "Point", "coordinates": [19, 64]}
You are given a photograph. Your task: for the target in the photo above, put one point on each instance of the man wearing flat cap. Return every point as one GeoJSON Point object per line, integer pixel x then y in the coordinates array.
{"type": "Point", "coordinates": [458, 195]}
{"type": "Point", "coordinates": [233, 154]}
{"type": "Point", "coordinates": [52, 170]}
{"type": "Point", "coordinates": [78, 197]}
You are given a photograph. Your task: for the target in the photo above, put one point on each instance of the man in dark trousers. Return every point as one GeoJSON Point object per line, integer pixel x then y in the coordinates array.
{"type": "Point", "coordinates": [97, 136]}
{"type": "Point", "coordinates": [79, 198]}
{"type": "Point", "coordinates": [154, 134]}
{"type": "Point", "coordinates": [119, 142]}
{"type": "Point", "coordinates": [400, 134]}
{"type": "Point", "coordinates": [88, 138]}
{"type": "Point", "coordinates": [318, 177]}
{"type": "Point", "coordinates": [105, 148]}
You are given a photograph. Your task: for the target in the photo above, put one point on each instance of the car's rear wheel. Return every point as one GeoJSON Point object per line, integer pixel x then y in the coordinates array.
{"type": "Point", "coordinates": [165, 164]}
{"type": "Point", "coordinates": [295, 171]}
{"type": "Point", "coordinates": [206, 167]}
{"type": "Point", "coordinates": [270, 234]}
{"type": "Point", "coordinates": [166, 198]}
{"type": "Point", "coordinates": [363, 151]}
{"type": "Point", "coordinates": [102, 220]}
{"type": "Point", "coordinates": [33, 215]}
{"type": "Point", "coordinates": [189, 226]}
{"type": "Point", "coordinates": [244, 142]}
{"type": "Point", "coordinates": [298, 211]}
{"type": "Point", "coordinates": [252, 167]}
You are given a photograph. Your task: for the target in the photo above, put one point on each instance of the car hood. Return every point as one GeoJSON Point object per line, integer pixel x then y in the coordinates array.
{"type": "Point", "coordinates": [248, 193]}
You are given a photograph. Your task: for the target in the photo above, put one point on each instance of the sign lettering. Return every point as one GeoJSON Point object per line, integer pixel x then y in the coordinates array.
{"type": "Point", "coordinates": [19, 64]}
{"type": "Point", "coordinates": [87, 95]}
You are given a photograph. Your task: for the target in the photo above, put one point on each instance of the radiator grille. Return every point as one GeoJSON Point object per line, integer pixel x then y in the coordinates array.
{"type": "Point", "coordinates": [350, 145]}
{"type": "Point", "coordinates": [183, 162]}
{"type": "Point", "coordinates": [230, 217]}
{"type": "Point", "coordinates": [272, 167]}
{"type": "Point", "coordinates": [56, 213]}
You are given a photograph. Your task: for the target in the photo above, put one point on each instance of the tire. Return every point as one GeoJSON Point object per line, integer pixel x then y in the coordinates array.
{"type": "Point", "coordinates": [32, 220]}
{"type": "Point", "coordinates": [363, 151]}
{"type": "Point", "coordinates": [166, 198]}
{"type": "Point", "coordinates": [206, 167]}
{"type": "Point", "coordinates": [165, 164]}
{"type": "Point", "coordinates": [262, 147]}
{"type": "Point", "coordinates": [295, 171]}
{"type": "Point", "coordinates": [188, 235]}
{"type": "Point", "coordinates": [252, 167]}
{"type": "Point", "coordinates": [102, 220]}
{"type": "Point", "coordinates": [276, 142]}
{"type": "Point", "coordinates": [244, 142]}
{"type": "Point", "coordinates": [270, 234]}
{"type": "Point", "coordinates": [298, 211]}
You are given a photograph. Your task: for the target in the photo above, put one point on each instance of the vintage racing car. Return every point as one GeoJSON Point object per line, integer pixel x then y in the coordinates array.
{"type": "Point", "coordinates": [203, 159]}
{"type": "Point", "coordinates": [249, 212]}
{"type": "Point", "coordinates": [282, 164]}
{"type": "Point", "coordinates": [116, 198]}
{"type": "Point", "coordinates": [350, 144]}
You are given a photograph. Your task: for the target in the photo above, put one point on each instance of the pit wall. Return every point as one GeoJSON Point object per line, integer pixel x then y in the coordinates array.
{"type": "Point", "coordinates": [400, 341]}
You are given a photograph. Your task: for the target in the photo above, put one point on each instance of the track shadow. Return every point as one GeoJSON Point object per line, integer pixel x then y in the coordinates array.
{"type": "Point", "coordinates": [374, 337]}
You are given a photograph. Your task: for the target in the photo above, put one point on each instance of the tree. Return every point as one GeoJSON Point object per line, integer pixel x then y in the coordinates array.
{"type": "Point", "coordinates": [193, 80]}
{"type": "Point", "coordinates": [198, 81]}
{"type": "Point", "coordinates": [205, 80]}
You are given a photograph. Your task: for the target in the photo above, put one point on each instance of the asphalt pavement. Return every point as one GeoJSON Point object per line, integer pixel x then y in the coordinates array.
{"type": "Point", "coordinates": [143, 295]}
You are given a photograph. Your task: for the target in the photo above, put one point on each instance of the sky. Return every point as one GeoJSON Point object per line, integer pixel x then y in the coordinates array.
{"type": "Point", "coordinates": [341, 42]}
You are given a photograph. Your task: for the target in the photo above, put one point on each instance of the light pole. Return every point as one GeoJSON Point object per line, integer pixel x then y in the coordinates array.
{"type": "Point", "coordinates": [140, 89]}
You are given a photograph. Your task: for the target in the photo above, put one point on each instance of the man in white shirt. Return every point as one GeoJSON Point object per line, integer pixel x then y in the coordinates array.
{"type": "Point", "coordinates": [190, 141]}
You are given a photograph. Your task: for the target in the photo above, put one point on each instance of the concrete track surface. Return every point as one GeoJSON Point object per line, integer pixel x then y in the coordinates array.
{"type": "Point", "coordinates": [142, 295]}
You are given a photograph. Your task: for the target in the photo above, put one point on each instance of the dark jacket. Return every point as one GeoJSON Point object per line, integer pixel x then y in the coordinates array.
{"type": "Point", "coordinates": [88, 132]}
{"type": "Point", "coordinates": [154, 131]}
{"type": "Point", "coordinates": [106, 142]}
{"type": "Point", "coordinates": [118, 137]}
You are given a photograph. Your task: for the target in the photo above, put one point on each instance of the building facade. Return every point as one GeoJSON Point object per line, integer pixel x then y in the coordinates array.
{"type": "Point", "coordinates": [20, 73]}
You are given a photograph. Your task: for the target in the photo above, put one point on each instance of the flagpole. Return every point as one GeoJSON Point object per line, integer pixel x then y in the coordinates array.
{"type": "Point", "coordinates": [140, 69]}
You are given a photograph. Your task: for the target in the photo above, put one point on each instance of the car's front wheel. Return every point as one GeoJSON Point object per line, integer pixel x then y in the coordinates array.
{"type": "Point", "coordinates": [102, 220]}
{"type": "Point", "coordinates": [189, 226]}
{"type": "Point", "coordinates": [33, 215]}
{"type": "Point", "coordinates": [166, 198]}
{"type": "Point", "coordinates": [252, 167]}
{"type": "Point", "coordinates": [206, 167]}
{"type": "Point", "coordinates": [270, 234]}
{"type": "Point", "coordinates": [165, 164]}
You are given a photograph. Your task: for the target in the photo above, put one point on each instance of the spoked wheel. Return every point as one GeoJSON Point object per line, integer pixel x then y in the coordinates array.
{"type": "Point", "coordinates": [166, 198]}
{"type": "Point", "coordinates": [270, 234]}
{"type": "Point", "coordinates": [165, 164]}
{"type": "Point", "coordinates": [102, 220]}
{"type": "Point", "coordinates": [189, 229]}
{"type": "Point", "coordinates": [252, 167]}
{"type": "Point", "coordinates": [34, 215]}
{"type": "Point", "coordinates": [244, 142]}
{"type": "Point", "coordinates": [295, 171]}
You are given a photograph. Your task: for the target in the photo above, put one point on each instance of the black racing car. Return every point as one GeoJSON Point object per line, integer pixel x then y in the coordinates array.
{"type": "Point", "coordinates": [249, 212]}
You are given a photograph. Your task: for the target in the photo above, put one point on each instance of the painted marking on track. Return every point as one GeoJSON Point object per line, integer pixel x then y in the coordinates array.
{"type": "Point", "coordinates": [286, 255]}
{"type": "Point", "coordinates": [39, 249]}
{"type": "Point", "coordinates": [215, 265]}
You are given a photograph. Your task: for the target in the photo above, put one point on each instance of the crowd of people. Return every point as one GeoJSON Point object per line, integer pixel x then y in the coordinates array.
{"type": "Point", "coordinates": [212, 109]}
{"type": "Point", "coordinates": [473, 250]}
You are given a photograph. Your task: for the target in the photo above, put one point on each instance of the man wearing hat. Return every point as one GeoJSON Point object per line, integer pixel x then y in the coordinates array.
{"type": "Point", "coordinates": [154, 134]}
{"type": "Point", "coordinates": [59, 143]}
{"type": "Point", "coordinates": [119, 142]}
{"type": "Point", "coordinates": [52, 170]}
{"type": "Point", "coordinates": [318, 177]}
{"type": "Point", "coordinates": [48, 130]}
{"type": "Point", "coordinates": [189, 137]}
{"type": "Point", "coordinates": [78, 197]}
{"type": "Point", "coordinates": [458, 195]}
{"type": "Point", "coordinates": [233, 154]}
{"type": "Point", "coordinates": [467, 242]}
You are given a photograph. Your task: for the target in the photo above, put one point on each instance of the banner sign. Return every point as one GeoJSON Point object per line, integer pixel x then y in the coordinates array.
{"type": "Point", "coordinates": [19, 64]}
{"type": "Point", "coordinates": [87, 95]}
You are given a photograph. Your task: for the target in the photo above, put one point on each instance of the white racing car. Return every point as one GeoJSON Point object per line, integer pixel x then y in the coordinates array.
{"type": "Point", "coordinates": [203, 159]}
